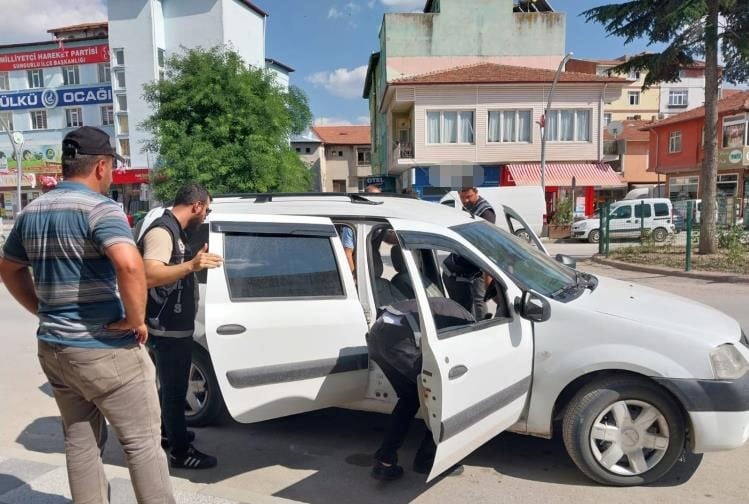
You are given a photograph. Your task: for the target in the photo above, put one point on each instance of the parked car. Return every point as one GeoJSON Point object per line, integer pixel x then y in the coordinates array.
{"type": "Point", "coordinates": [282, 323]}
{"type": "Point", "coordinates": [628, 218]}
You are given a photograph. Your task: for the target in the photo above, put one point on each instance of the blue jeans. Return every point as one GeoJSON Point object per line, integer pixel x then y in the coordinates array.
{"type": "Point", "coordinates": [173, 358]}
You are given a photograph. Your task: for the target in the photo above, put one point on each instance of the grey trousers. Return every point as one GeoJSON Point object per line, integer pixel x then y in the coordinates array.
{"type": "Point", "coordinates": [92, 386]}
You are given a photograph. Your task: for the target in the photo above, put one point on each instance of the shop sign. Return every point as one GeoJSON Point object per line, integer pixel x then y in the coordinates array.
{"type": "Point", "coordinates": [54, 57]}
{"type": "Point", "coordinates": [130, 176]}
{"type": "Point", "coordinates": [10, 180]}
{"type": "Point", "coordinates": [51, 98]}
{"type": "Point", "coordinates": [733, 158]}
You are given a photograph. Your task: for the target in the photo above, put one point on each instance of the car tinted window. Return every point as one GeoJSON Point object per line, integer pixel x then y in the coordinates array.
{"type": "Point", "coordinates": [661, 210]}
{"type": "Point", "coordinates": [622, 212]}
{"type": "Point", "coordinates": [280, 266]}
{"type": "Point", "coordinates": [641, 209]}
{"type": "Point", "coordinates": [197, 239]}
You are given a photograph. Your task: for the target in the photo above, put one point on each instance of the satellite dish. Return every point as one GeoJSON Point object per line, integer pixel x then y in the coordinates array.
{"type": "Point", "coordinates": [615, 128]}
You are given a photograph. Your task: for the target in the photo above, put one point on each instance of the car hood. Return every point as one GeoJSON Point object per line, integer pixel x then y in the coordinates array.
{"type": "Point", "coordinates": [586, 223]}
{"type": "Point", "coordinates": [658, 309]}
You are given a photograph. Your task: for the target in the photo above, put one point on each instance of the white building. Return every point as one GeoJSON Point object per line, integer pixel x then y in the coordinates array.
{"type": "Point", "coordinates": [143, 33]}
{"type": "Point", "coordinates": [688, 93]}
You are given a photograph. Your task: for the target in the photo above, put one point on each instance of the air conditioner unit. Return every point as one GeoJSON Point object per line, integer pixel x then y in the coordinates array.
{"type": "Point", "coordinates": [404, 123]}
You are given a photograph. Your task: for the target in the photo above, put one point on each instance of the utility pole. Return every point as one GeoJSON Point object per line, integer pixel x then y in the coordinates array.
{"type": "Point", "coordinates": [542, 122]}
{"type": "Point", "coordinates": [16, 140]}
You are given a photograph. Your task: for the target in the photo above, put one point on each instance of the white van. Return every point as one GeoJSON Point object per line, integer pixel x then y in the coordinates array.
{"type": "Point", "coordinates": [628, 218]}
{"type": "Point", "coordinates": [527, 201]}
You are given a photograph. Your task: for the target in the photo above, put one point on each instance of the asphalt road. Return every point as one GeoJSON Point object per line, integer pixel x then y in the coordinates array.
{"type": "Point", "coordinates": [324, 456]}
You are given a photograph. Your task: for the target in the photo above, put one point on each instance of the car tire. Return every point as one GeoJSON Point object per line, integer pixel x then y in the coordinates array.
{"type": "Point", "coordinates": [204, 403]}
{"type": "Point", "coordinates": [599, 426]}
{"type": "Point", "coordinates": [522, 233]}
{"type": "Point", "coordinates": [660, 234]}
{"type": "Point", "coordinates": [594, 236]}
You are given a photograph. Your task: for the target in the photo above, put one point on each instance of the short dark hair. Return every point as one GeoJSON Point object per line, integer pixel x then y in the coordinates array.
{"type": "Point", "coordinates": [468, 188]}
{"type": "Point", "coordinates": [79, 165]}
{"type": "Point", "coordinates": [192, 193]}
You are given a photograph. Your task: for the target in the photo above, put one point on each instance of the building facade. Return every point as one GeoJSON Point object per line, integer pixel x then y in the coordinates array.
{"type": "Point", "coordinates": [310, 150]}
{"type": "Point", "coordinates": [344, 157]}
{"type": "Point", "coordinates": [629, 153]}
{"type": "Point", "coordinates": [676, 152]}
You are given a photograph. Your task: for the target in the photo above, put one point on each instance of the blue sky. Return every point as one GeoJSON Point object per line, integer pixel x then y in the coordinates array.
{"type": "Point", "coordinates": [328, 42]}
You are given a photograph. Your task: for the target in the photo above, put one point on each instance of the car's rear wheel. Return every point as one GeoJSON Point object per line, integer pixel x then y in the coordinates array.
{"type": "Point", "coordinates": [522, 233]}
{"type": "Point", "coordinates": [660, 234]}
{"type": "Point", "coordinates": [624, 431]}
{"type": "Point", "coordinates": [203, 403]}
{"type": "Point", "coordinates": [594, 236]}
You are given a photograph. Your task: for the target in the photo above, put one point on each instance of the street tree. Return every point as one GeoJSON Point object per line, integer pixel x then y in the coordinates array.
{"type": "Point", "coordinates": [224, 124]}
{"type": "Point", "coordinates": [690, 29]}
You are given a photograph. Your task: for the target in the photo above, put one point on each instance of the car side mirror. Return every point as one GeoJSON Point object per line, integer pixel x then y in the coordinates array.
{"type": "Point", "coordinates": [533, 307]}
{"type": "Point", "coordinates": [566, 260]}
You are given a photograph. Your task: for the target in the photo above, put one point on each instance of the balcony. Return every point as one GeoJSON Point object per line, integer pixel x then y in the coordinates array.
{"type": "Point", "coordinates": [404, 151]}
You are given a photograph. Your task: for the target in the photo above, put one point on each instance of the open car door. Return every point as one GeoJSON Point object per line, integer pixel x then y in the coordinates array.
{"type": "Point", "coordinates": [475, 379]}
{"type": "Point", "coordinates": [285, 329]}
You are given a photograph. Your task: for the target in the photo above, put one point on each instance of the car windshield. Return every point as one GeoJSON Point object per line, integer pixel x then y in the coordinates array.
{"type": "Point", "coordinates": [529, 268]}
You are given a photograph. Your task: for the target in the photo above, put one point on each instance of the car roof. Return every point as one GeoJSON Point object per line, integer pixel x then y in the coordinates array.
{"type": "Point", "coordinates": [356, 206]}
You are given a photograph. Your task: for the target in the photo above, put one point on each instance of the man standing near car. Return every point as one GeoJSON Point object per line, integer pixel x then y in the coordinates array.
{"type": "Point", "coordinates": [478, 207]}
{"type": "Point", "coordinates": [88, 290]}
{"type": "Point", "coordinates": [171, 310]}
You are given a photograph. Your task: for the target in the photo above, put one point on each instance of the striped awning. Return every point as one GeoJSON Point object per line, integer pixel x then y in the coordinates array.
{"type": "Point", "coordinates": [561, 174]}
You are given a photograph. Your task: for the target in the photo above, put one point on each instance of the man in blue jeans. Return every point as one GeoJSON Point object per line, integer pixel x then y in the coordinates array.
{"type": "Point", "coordinates": [171, 309]}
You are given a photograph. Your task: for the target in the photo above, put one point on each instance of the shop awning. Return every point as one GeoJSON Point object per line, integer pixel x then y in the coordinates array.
{"type": "Point", "coordinates": [10, 180]}
{"type": "Point", "coordinates": [561, 174]}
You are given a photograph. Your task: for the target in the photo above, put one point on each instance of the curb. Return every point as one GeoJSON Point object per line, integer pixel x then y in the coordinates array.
{"type": "Point", "coordinates": [662, 270]}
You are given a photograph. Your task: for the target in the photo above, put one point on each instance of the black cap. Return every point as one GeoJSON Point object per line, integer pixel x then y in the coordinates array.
{"type": "Point", "coordinates": [88, 140]}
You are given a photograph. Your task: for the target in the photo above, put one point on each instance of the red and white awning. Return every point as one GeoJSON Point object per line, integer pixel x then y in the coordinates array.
{"type": "Point", "coordinates": [561, 175]}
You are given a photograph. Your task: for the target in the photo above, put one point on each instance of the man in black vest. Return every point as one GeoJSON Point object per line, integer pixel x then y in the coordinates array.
{"type": "Point", "coordinates": [478, 207]}
{"type": "Point", "coordinates": [170, 312]}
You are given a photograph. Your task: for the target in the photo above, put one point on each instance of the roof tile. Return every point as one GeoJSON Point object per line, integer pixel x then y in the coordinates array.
{"type": "Point", "coordinates": [343, 135]}
{"type": "Point", "coordinates": [735, 102]}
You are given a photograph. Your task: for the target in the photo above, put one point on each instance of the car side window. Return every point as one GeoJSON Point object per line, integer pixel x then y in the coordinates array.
{"type": "Point", "coordinates": [623, 212]}
{"type": "Point", "coordinates": [196, 240]}
{"type": "Point", "coordinates": [280, 266]}
{"type": "Point", "coordinates": [389, 276]}
{"type": "Point", "coordinates": [642, 210]}
{"type": "Point", "coordinates": [661, 210]}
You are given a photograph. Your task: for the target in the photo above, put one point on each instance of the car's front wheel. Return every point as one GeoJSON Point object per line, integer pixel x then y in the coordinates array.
{"type": "Point", "coordinates": [524, 234]}
{"type": "Point", "coordinates": [594, 236]}
{"type": "Point", "coordinates": [624, 431]}
{"type": "Point", "coordinates": [203, 403]}
{"type": "Point", "coordinates": [660, 234]}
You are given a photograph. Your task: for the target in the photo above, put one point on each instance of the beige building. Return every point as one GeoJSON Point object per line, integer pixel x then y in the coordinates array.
{"type": "Point", "coordinates": [309, 147]}
{"type": "Point", "coordinates": [628, 153]}
{"type": "Point", "coordinates": [343, 157]}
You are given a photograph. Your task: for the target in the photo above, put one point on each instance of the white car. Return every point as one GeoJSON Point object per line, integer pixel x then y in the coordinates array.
{"type": "Point", "coordinates": [628, 218]}
{"type": "Point", "coordinates": [636, 376]}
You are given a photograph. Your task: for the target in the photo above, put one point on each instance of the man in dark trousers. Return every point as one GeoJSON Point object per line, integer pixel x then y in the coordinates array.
{"type": "Point", "coordinates": [478, 207]}
{"type": "Point", "coordinates": [71, 261]}
{"type": "Point", "coordinates": [171, 309]}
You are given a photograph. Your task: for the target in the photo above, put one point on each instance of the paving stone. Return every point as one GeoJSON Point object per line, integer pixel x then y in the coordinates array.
{"type": "Point", "coordinates": [15, 473]}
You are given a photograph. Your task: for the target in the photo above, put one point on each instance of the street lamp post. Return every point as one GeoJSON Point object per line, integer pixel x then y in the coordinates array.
{"type": "Point", "coordinates": [543, 121]}
{"type": "Point", "coordinates": [19, 162]}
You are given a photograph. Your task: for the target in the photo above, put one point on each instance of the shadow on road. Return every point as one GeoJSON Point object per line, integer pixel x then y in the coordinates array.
{"type": "Point", "coordinates": [325, 456]}
{"type": "Point", "coordinates": [16, 491]}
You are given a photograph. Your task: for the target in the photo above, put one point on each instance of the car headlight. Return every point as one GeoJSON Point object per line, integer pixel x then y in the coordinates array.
{"type": "Point", "coordinates": [728, 363]}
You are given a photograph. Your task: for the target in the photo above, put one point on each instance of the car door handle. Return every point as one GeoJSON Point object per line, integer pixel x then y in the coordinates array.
{"type": "Point", "coordinates": [229, 329]}
{"type": "Point", "coordinates": [457, 372]}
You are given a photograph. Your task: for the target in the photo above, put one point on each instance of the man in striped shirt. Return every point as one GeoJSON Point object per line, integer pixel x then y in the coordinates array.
{"type": "Point", "coordinates": [78, 245]}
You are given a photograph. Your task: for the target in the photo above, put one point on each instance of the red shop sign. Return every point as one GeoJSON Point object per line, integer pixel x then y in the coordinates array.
{"type": "Point", "coordinates": [132, 176]}
{"type": "Point", "coordinates": [54, 57]}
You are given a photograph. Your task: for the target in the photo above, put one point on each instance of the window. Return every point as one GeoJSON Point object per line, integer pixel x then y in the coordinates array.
{"type": "Point", "coordinates": [119, 76]}
{"type": "Point", "coordinates": [642, 210]}
{"type": "Point", "coordinates": [634, 97]}
{"type": "Point", "coordinates": [123, 124]}
{"type": "Point", "coordinates": [253, 270]}
{"type": "Point", "coordinates": [299, 150]}
{"type": "Point", "coordinates": [125, 147]}
{"type": "Point", "coordinates": [363, 156]}
{"type": "Point", "coordinates": [622, 212]}
{"type": "Point", "coordinates": [509, 126]}
{"type": "Point", "coordinates": [674, 142]}
{"type": "Point", "coordinates": [70, 75]}
{"type": "Point", "coordinates": [662, 210]}
{"type": "Point", "coordinates": [74, 117]}
{"type": "Point", "coordinates": [450, 126]}
{"type": "Point", "coordinates": [339, 186]}
{"type": "Point", "coordinates": [568, 125]}
{"type": "Point", "coordinates": [683, 188]}
{"type": "Point", "coordinates": [307, 150]}
{"type": "Point", "coordinates": [107, 115]}
{"type": "Point", "coordinates": [734, 132]}
{"type": "Point", "coordinates": [4, 81]}
{"type": "Point", "coordinates": [634, 75]}
{"type": "Point", "coordinates": [7, 118]}
{"type": "Point", "coordinates": [119, 56]}
{"type": "Point", "coordinates": [161, 57]}
{"type": "Point", "coordinates": [678, 98]}
{"type": "Point", "coordinates": [606, 118]}
{"type": "Point", "coordinates": [38, 119]}
{"type": "Point", "coordinates": [36, 78]}
{"type": "Point", "coordinates": [122, 102]}
{"type": "Point", "coordinates": [105, 72]}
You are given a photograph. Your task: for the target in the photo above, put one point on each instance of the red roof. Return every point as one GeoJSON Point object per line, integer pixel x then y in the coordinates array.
{"type": "Point", "coordinates": [561, 174]}
{"type": "Point", "coordinates": [736, 102]}
{"type": "Point", "coordinates": [343, 135]}
{"type": "Point", "coordinates": [493, 73]}
{"type": "Point", "coordinates": [632, 132]}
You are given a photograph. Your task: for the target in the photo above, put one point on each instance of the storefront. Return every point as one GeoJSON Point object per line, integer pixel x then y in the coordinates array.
{"type": "Point", "coordinates": [130, 189]}
{"type": "Point", "coordinates": [8, 190]}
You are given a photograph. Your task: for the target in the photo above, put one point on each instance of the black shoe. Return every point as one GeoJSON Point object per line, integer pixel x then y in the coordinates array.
{"type": "Point", "coordinates": [165, 440]}
{"type": "Point", "coordinates": [192, 459]}
{"type": "Point", "coordinates": [386, 473]}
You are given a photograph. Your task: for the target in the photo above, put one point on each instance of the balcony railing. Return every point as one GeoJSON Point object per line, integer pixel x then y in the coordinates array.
{"type": "Point", "coordinates": [404, 151]}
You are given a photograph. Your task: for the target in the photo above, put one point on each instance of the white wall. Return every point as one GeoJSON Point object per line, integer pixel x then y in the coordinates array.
{"type": "Point", "coordinates": [244, 30]}
{"type": "Point", "coordinates": [282, 78]}
{"type": "Point", "coordinates": [696, 88]}
{"type": "Point", "coordinates": [192, 23]}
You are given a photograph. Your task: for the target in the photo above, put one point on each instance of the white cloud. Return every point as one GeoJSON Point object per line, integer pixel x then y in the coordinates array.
{"type": "Point", "coordinates": [29, 20]}
{"type": "Point", "coordinates": [406, 5]}
{"type": "Point", "coordinates": [362, 120]}
{"type": "Point", "coordinates": [331, 121]}
{"type": "Point", "coordinates": [341, 82]}
{"type": "Point", "coordinates": [352, 7]}
{"type": "Point", "coordinates": [334, 13]}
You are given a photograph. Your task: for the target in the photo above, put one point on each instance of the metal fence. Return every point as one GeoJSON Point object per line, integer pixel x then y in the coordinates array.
{"type": "Point", "coordinates": [649, 232]}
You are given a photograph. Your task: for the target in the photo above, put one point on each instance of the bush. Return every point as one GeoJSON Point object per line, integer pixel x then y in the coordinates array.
{"type": "Point", "coordinates": [563, 214]}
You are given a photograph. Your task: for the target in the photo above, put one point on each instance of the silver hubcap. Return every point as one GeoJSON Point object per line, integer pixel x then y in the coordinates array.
{"type": "Point", "coordinates": [197, 393]}
{"type": "Point", "coordinates": [629, 437]}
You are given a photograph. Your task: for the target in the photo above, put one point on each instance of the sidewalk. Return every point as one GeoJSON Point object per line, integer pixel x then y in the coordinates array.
{"type": "Point", "coordinates": [664, 270]}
